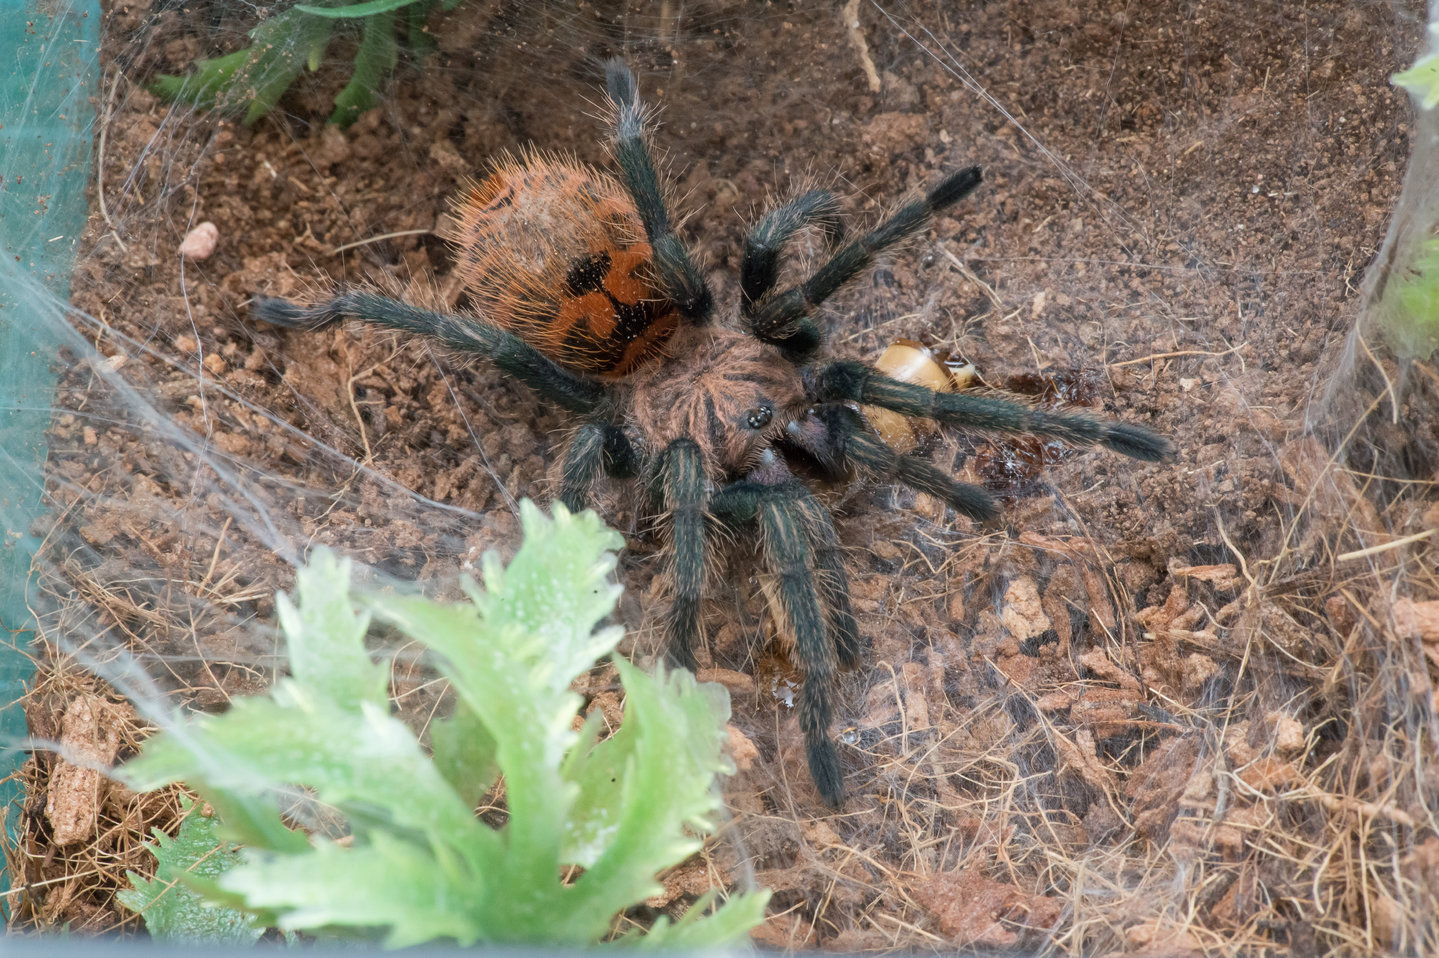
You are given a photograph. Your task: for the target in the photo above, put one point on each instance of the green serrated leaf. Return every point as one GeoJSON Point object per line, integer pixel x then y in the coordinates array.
{"type": "Point", "coordinates": [557, 588]}
{"type": "Point", "coordinates": [417, 864]}
{"type": "Point", "coordinates": [697, 932]}
{"type": "Point", "coordinates": [464, 753]}
{"type": "Point", "coordinates": [1422, 79]}
{"type": "Point", "coordinates": [417, 17]}
{"type": "Point", "coordinates": [251, 81]}
{"type": "Point", "coordinates": [648, 783]}
{"type": "Point", "coordinates": [367, 759]}
{"type": "Point", "coordinates": [540, 615]}
{"type": "Point", "coordinates": [249, 819]}
{"type": "Point", "coordinates": [386, 883]}
{"type": "Point", "coordinates": [285, 45]}
{"type": "Point", "coordinates": [202, 87]}
{"type": "Point", "coordinates": [376, 57]}
{"type": "Point", "coordinates": [173, 910]}
{"type": "Point", "coordinates": [327, 639]}
{"type": "Point", "coordinates": [1408, 312]}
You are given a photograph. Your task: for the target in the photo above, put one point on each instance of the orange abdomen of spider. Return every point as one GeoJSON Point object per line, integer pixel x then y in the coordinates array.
{"type": "Point", "coordinates": [555, 252]}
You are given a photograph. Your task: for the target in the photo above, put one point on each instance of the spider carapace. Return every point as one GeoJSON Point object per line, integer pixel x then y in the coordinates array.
{"type": "Point", "coordinates": [580, 289]}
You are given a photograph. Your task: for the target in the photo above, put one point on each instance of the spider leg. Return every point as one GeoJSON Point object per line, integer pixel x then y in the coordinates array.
{"type": "Point", "coordinates": [855, 382]}
{"type": "Point", "coordinates": [788, 554]}
{"type": "Point", "coordinates": [595, 448]}
{"type": "Point", "coordinates": [681, 281]}
{"type": "Point", "coordinates": [682, 495]}
{"type": "Point", "coordinates": [832, 583]}
{"type": "Point", "coordinates": [785, 540]}
{"type": "Point", "coordinates": [759, 270]}
{"type": "Point", "coordinates": [784, 319]}
{"type": "Point", "coordinates": [463, 333]}
{"type": "Point", "coordinates": [855, 445]}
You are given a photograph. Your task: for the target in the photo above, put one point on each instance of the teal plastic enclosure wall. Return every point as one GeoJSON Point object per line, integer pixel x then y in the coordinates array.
{"type": "Point", "coordinates": [49, 63]}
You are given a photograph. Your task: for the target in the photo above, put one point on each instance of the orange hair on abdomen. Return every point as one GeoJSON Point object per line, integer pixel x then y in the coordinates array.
{"type": "Point", "coordinates": [555, 252]}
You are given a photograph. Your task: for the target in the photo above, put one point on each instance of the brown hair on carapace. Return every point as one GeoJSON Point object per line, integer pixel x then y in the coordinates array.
{"type": "Point", "coordinates": [722, 388]}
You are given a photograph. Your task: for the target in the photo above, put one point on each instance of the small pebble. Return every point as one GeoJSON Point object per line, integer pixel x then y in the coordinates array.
{"type": "Point", "coordinates": [200, 242]}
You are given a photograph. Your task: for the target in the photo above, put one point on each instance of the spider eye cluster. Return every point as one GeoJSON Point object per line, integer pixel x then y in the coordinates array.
{"type": "Point", "coordinates": [759, 416]}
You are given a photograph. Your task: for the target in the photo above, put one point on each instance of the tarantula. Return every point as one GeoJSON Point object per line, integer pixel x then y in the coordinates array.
{"type": "Point", "coordinates": [580, 289]}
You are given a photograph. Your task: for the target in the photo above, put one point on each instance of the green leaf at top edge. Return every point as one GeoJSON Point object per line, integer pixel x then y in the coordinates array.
{"type": "Point", "coordinates": [354, 10]}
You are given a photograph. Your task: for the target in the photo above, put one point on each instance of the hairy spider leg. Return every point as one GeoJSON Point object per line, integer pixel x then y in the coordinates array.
{"type": "Point", "coordinates": [830, 576]}
{"type": "Point", "coordinates": [594, 449]}
{"type": "Point", "coordinates": [681, 281]}
{"type": "Point", "coordinates": [784, 538]}
{"type": "Point", "coordinates": [464, 333]}
{"type": "Point", "coordinates": [783, 319]}
{"type": "Point", "coordinates": [759, 269]}
{"type": "Point", "coordinates": [847, 380]}
{"type": "Point", "coordinates": [855, 445]}
{"type": "Point", "coordinates": [788, 555]}
{"type": "Point", "coordinates": [681, 487]}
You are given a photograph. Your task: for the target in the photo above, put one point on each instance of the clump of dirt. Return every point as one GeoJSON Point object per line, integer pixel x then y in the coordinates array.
{"type": "Point", "coordinates": [1173, 709]}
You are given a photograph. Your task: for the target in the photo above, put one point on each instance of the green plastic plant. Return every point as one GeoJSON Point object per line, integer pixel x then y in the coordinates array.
{"type": "Point", "coordinates": [252, 80]}
{"type": "Point", "coordinates": [1404, 283]}
{"type": "Point", "coordinates": [1422, 79]}
{"type": "Point", "coordinates": [176, 912]}
{"type": "Point", "coordinates": [589, 823]}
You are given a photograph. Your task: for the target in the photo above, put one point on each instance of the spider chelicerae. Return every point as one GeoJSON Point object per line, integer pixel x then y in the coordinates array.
{"type": "Point", "coordinates": [578, 287]}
